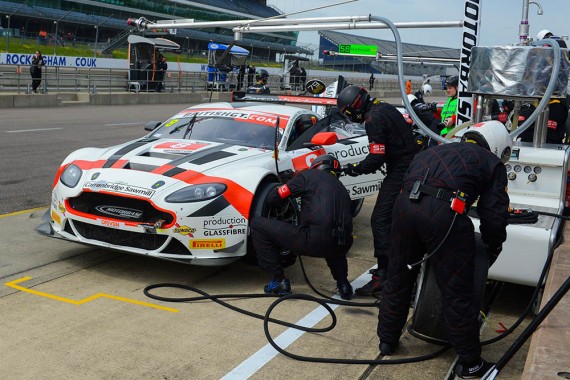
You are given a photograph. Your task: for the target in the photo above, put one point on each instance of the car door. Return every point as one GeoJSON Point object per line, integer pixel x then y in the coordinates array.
{"type": "Point", "coordinates": [352, 146]}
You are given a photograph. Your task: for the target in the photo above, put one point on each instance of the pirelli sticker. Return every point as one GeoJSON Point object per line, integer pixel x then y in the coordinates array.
{"type": "Point", "coordinates": [208, 244]}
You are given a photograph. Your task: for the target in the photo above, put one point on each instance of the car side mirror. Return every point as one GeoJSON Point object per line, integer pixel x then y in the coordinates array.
{"type": "Point", "coordinates": [324, 138]}
{"type": "Point", "coordinates": [151, 125]}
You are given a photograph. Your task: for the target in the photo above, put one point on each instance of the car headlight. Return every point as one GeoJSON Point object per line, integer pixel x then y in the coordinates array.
{"type": "Point", "coordinates": [196, 193]}
{"type": "Point", "coordinates": [71, 175]}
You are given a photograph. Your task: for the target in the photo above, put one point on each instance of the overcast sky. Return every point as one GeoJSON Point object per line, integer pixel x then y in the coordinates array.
{"type": "Point", "coordinates": [500, 18]}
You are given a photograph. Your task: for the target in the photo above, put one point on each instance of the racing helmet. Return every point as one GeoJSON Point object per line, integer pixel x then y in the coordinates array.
{"type": "Point", "coordinates": [452, 81]}
{"type": "Point", "coordinates": [262, 75]}
{"type": "Point", "coordinates": [305, 122]}
{"type": "Point", "coordinates": [491, 135]}
{"type": "Point", "coordinates": [327, 162]}
{"type": "Point", "coordinates": [426, 89]}
{"type": "Point", "coordinates": [412, 99]}
{"type": "Point", "coordinates": [544, 33]}
{"type": "Point", "coordinates": [352, 102]}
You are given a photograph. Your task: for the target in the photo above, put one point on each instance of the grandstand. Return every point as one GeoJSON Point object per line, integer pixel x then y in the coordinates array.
{"type": "Point", "coordinates": [105, 20]}
{"type": "Point", "coordinates": [330, 40]}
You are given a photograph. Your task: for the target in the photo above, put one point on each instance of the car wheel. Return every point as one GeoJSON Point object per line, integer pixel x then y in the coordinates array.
{"type": "Point", "coordinates": [286, 212]}
{"type": "Point", "coordinates": [356, 206]}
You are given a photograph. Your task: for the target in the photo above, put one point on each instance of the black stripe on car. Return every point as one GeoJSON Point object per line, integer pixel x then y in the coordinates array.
{"type": "Point", "coordinates": [211, 208]}
{"type": "Point", "coordinates": [121, 152]}
{"type": "Point", "coordinates": [194, 156]}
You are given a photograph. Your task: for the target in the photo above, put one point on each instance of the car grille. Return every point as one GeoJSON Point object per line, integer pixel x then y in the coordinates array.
{"type": "Point", "coordinates": [149, 242]}
{"type": "Point", "coordinates": [124, 208]}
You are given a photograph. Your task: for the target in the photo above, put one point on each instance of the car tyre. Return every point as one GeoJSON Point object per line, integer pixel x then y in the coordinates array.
{"type": "Point", "coordinates": [288, 212]}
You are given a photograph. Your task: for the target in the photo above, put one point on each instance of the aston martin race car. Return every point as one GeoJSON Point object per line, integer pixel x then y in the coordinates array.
{"type": "Point", "coordinates": [187, 190]}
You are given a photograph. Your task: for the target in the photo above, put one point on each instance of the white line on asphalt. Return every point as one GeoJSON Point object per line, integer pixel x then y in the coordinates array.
{"type": "Point", "coordinates": [34, 130]}
{"type": "Point", "coordinates": [256, 361]}
{"type": "Point", "coordinates": [117, 124]}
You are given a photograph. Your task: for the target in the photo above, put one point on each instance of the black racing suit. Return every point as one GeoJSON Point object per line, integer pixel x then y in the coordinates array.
{"type": "Point", "coordinates": [420, 226]}
{"type": "Point", "coordinates": [258, 88]}
{"type": "Point", "coordinates": [392, 142]}
{"type": "Point", "coordinates": [557, 115]}
{"type": "Point", "coordinates": [325, 206]}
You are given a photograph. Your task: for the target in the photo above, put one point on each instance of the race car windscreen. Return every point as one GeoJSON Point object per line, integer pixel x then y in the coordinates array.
{"type": "Point", "coordinates": [217, 129]}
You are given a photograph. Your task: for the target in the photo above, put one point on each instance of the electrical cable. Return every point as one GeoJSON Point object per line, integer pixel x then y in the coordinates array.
{"type": "Point", "coordinates": [324, 302]}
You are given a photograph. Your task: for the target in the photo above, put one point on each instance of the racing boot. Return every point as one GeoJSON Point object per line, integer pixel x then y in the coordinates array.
{"type": "Point", "coordinates": [280, 288]}
{"type": "Point", "coordinates": [387, 348]}
{"type": "Point", "coordinates": [473, 370]}
{"type": "Point", "coordinates": [374, 285]}
{"type": "Point", "coordinates": [344, 289]}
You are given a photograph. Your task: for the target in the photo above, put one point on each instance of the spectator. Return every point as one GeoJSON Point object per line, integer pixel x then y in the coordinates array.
{"type": "Point", "coordinates": [371, 81]}
{"type": "Point", "coordinates": [161, 68]}
{"type": "Point", "coordinates": [240, 77]}
{"type": "Point", "coordinates": [36, 70]}
{"type": "Point", "coordinates": [408, 87]}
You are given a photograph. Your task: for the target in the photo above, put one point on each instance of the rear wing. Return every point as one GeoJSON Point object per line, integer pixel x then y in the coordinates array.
{"type": "Point", "coordinates": [240, 96]}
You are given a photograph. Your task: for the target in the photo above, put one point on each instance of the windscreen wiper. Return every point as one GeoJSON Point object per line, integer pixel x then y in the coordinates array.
{"type": "Point", "coordinates": [189, 123]}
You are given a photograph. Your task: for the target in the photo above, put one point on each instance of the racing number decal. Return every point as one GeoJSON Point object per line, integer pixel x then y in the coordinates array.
{"type": "Point", "coordinates": [302, 162]}
{"type": "Point", "coordinates": [181, 146]}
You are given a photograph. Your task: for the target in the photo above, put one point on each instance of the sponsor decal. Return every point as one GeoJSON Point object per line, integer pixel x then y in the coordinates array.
{"type": "Point", "coordinates": [377, 148]}
{"type": "Point", "coordinates": [471, 24]}
{"type": "Point", "coordinates": [61, 208]}
{"type": "Point", "coordinates": [120, 212]}
{"type": "Point", "coordinates": [118, 188]}
{"type": "Point", "coordinates": [364, 189]}
{"type": "Point", "coordinates": [55, 217]}
{"type": "Point", "coordinates": [176, 147]}
{"type": "Point", "coordinates": [110, 223]}
{"type": "Point", "coordinates": [225, 231]}
{"type": "Point", "coordinates": [158, 184]}
{"type": "Point", "coordinates": [184, 230]}
{"type": "Point", "coordinates": [95, 176]}
{"type": "Point", "coordinates": [223, 222]}
{"type": "Point", "coordinates": [207, 243]}
{"type": "Point", "coordinates": [225, 226]}
{"type": "Point", "coordinates": [243, 116]}
{"type": "Point", "coordinates": [352, 151]}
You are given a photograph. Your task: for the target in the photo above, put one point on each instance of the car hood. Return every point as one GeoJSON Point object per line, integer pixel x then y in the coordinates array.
{"type": "Point", "coordinates": [166, 162]}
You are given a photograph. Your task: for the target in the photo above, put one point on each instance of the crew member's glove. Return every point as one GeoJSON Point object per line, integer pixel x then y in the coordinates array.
{"type": "Point", "coordinates": [493, 252]}
{"type": "Point", "coordinates": [350, 170]}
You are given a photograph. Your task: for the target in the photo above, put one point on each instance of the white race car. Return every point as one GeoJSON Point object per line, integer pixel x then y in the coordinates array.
{"type": "Point", "coordinates": [187, 190]}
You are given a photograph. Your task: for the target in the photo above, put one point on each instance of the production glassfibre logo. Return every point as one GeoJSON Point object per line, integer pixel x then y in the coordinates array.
{"type": "Point", "coordinates": [119, 212]}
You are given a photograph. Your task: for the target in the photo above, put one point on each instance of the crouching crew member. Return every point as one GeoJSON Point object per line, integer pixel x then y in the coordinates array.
{"type": "Point", "coordinates": [440, 185]}
{"type": "Point", "coordinates": [392, 142]}
{"type": "Point", "coordinates": [324, 230]}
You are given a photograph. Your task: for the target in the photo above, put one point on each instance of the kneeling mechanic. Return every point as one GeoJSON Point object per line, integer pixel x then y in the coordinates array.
{"type": "Point", "coordinates": [324, 230]}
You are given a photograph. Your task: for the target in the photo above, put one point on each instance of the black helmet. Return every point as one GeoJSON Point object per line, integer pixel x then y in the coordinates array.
{"type": "Point", "coordinates": [304, 122]}
{"type": "Point", "coordinates": [452, 81]}
{"type": "Point", "coordinates": [327, 162]}
{"type": "Point", "coordinates": [262, 75]}
{"type": "Point", "coordinates": [352, 102]}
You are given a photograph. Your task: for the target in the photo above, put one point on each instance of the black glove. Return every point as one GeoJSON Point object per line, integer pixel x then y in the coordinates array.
{"type": "Point", "coordinates": [493, 252]}
{"type": "Point", "coordinates": [350, 170]}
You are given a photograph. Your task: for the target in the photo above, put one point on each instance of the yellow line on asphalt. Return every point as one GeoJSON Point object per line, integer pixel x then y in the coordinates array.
{"type": "Point", "coordinates": [22, 212]}
{"type": "Point", "coordinates": [13, 285]}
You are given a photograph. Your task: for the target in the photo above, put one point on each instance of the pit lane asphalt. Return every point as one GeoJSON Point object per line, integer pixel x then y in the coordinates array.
{"type": "Point", "coordinates": [110, 337]}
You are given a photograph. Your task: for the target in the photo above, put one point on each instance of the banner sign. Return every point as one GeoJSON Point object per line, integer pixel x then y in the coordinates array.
{"type": "Point", "coordinates": [370, 50]}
